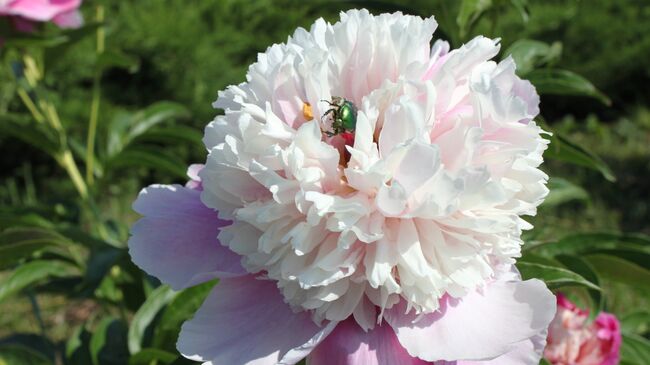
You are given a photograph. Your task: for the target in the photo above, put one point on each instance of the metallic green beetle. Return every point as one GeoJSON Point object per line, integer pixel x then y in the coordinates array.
{"type": "Point", "coordinates": [344, 115]}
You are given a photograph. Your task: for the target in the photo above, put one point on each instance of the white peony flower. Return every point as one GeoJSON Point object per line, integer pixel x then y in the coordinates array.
{"type": "Point", "coordinates": [422, 200]}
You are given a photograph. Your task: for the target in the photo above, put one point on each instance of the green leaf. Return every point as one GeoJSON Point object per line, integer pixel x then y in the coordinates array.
{"type": "Point", "coordinates": [584, 243]}
{"type": "Point", "coordinates": [146, 314]}
{"type": "Point", "coordinates": [114, 58]}
{"type": "Point", "coordinates": [99, 264]}
{"type": "Point", "coordinates": [108, 343]}
{"type": "Point", "coordinates": [470, 11]}
{"type": "Point", "coordinates": [563, 149]}
{"type": "Point", "coordinates": [155, 114]}
{"type": "Point", "coordinates": [522, 8]}
{"type": "Point", "coordinates": [32, 273]}
{"type": "Point", "coordinates": [77, 348]}
{"type": "Point", "coordinates": [563, 82]}
{"type": "Point", "coordinates": [21, 355]}
{"type": "Point", "coordinates": [34, 40]}
{"type": "Point", "coordinates": [124, 127]}
{"type": "Point", "coordinates": [148, 356]}
{"type": "Point", "coordinates": [637, 322]}
{"type": "Point", "coordinates": [635, 256]}
{"type": "Point", "coordinates": [635, 349]}
{"type": "Point", "coordinates": [178, 311]}
{"type": "Point", "coordinates": [173, 134]}
{"type": "Point", "coordinates": [17, 244]}
{"type": "Point", "coordinates": [68, 38]}
{"type": "Point", "coordinates": [563, 191]}
{"type": "Point", "coordinates": [583, 268]}
{"type": "Point", "coordinates": [528, 54]}
{"type": "Point", "coordinates": [154, 158]}
{"type": "Point", "coordinates": [14, 218]}
{"type": "Point", "coordinates": [29, 132]}
{"type": "Point", "coordinates": [620, 270]}
{"type": "Point", "coordinates": [554, 277]}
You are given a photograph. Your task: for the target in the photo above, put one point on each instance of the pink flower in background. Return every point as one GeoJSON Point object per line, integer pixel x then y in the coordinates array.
{"type": "Point", "coordinates": [361, 204]}
{"type": "Point", "coordinates": [64, 13]}
{"type": "Point", "coordinates": [573, 341]}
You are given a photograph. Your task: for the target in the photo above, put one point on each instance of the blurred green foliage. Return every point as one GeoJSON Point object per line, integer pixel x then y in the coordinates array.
{"type": "Point", "coordinates": [65, 208]}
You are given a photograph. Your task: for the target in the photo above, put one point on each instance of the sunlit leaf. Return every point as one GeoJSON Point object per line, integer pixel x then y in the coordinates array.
{"type": "Point", "coordinates": [32, 273]}
{"type": "Point", "coordinates": [563, 149]}
{"type": "Point", "coordinates": [149, 356]}
{"type": "Point", "coordinates": [178, 311]}
{"type": "Point", "coordinates": [563, 82]}
{"type": "Point", "coordinates": [554, 277]}
{"type": "Point", "coordinates": [583, 243]}
{"type": "Point", "coordinates": [146, 314]}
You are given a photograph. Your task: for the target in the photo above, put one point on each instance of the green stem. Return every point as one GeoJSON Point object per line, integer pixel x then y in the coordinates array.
{"type": "Point", "coordinates": [92, 131]}
{"type": "Point", "coordinates": [36, 309]}
{"type": "Point", "coordinates": [29, 104]}
{"type": "Point", "coordinates": [66, 160]}
{"type": "Point", "coordinates": [94, 106]}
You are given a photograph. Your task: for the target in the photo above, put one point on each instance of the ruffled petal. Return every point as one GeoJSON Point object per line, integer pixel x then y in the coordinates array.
{"type": "Point", "coordinates": [350, 345]}
{"type": "Point", "coordinates": [480, 326]}
{"type": "Point", "coordinates": [42, 10]}
{"type": "Point", "coordinates": [527, 352]}
{"type": "Point", "coordinates": [246, 321]}
{"type": "Point", "coordinates": [176, 240]}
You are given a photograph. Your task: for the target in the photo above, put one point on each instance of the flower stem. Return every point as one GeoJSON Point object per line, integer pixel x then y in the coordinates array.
{"type": "Point", "coordinates": [94, 106]}
{"type": "Point", "coordinates": [66, 160]}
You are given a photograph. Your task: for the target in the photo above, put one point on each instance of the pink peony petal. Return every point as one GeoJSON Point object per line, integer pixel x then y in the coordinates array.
{"type": "Point", "coordinates": [573, 340]}
{"type": "Point", "coordinates": [176, 240]}
{"type": "Point", "coordinates": [42, 10]}
{"type": "Point", "coordinates": [70, 19]}
{"type": "Point", "coordinates": [527, 352]}
{"type": "Point", "coordinates": [246, 321]}
{"type": "Point", "coordinates": [350, 345]}
{"type": "Point", "coordinates": [480, 326]}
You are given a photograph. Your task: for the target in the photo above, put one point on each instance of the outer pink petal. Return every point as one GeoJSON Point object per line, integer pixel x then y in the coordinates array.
{"type": "Point", "coordinates": [481, 326]}
{"type": "Point", "coordinates": [176, 240]}
{"type": "Point", "coordinates": [70, 19]}
{"type": "Point", "coordinates": [246, 321]}
{"type": "Point", "coordinates": [195, 180]}
{"type": "Point", "coordinates": [608, 332]}
{"type": "Point", "coordinates": [42, 10]}
{"type": "Point", "coordinates": [528, 352]}
{"type": "Point", "coordinates": [350, 345]}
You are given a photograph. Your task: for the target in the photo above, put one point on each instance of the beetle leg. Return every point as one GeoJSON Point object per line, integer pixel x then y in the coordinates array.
{"type": "Point", "coordinates": [333, 110]}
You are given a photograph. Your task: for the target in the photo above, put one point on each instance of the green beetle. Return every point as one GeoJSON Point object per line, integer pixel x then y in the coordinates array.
{"type": "Point", "coordinates": [344, 115]}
